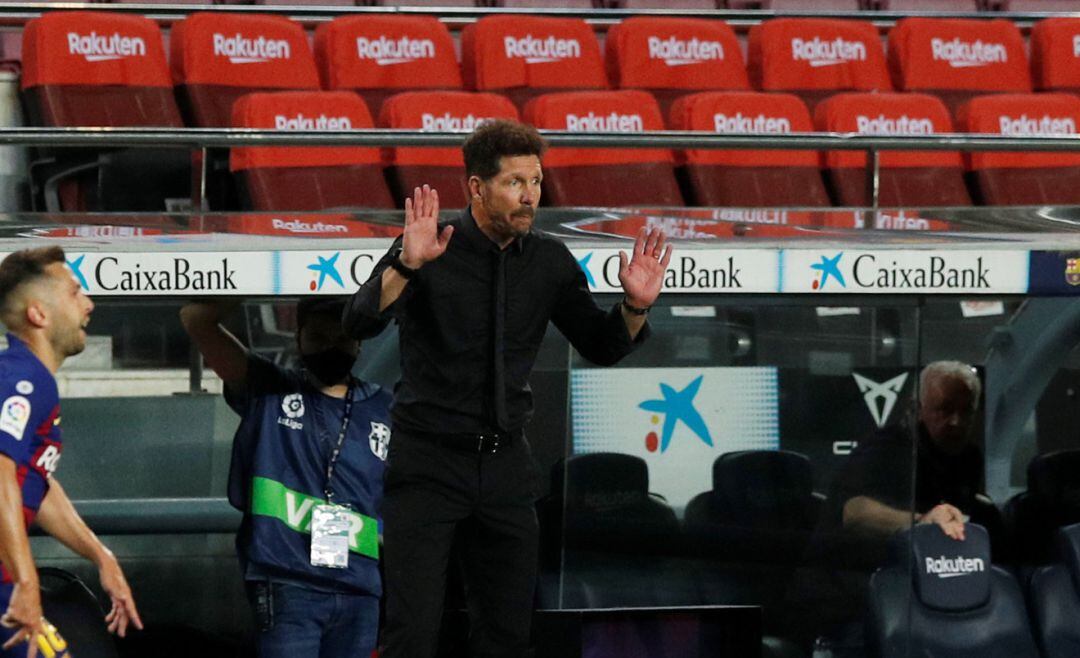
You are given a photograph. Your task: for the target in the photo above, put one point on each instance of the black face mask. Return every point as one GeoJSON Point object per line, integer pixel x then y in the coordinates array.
{"type": "Point", "coordinates": [330, 366]}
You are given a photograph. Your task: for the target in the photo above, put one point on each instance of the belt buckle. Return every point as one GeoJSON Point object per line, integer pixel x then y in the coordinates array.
{"type": "Point", "coordinates": [488, 442]}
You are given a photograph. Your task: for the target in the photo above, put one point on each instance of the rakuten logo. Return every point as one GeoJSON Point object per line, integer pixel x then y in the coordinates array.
{"type": "Point", "coordinates": [944, 567]}
{"type": "Point", "coordinates": [738, 123]}
{"type": "Point", "coordinates": [539, 51]}
{"type": "Point", "coordinates": [387, 52]}
{"type": "Point", "coordinates": [827, 53]}
{"type": "Point", "coordinates": [611, 123]}
{"type": "Point", "coordinates": [678, 52]}
{"type": "Point", "coordinates": [99, 48]}
{"type": "Point", "coordinates": [1024, 125]}
{"type": "Point", "coordinates": [321, 122]}
{"type": "Point", "coordinates": [299, 226]}
{"type": "Point", "coordinates": [448, 122]}
{"type": "Point", "coordinates": [963, 54]}
{"type": "Point", "coordinates": [241, 50]}
{"type": "Point", "coordinates": [901, 125]}
{"type": "Point", "coordinates": [752, 216]}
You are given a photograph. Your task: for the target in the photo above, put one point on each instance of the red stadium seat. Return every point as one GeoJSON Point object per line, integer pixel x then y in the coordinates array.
{"type": "Point", "coordinates": [442, 168]}
{"type": "Point", "coordinates": [956, 59]}
{"type": "Point", "coordinates": [543, 4]}
{"type": "Point", "coordinates": [815, 58]}
{"type": "Point", "coordinates": [669, 4]}
{"type": "Point", "coordinates": [1024, 178]}
{"type": "Point", "coordinates": [525, 56]}
{"type": "Point", "coordinates": [795, 5]}
{"type": "Point", "coordinates": [308, 178]}
{"type": "Point", "coordinates": [670, 57]}
{"type": "Point", "coordinates": [86, 68]}
{"type": "Point", "coordinates": [1040, 5]}
{"type": "Point", "coordinates": [380, 55]}
{"type": "Point", "coordinates": [217, 58]}
{"type": "Point", "coordinates": [957, 6]}
{"type": "Point", "coordinates": [101, 69]}
{"type": "Point", "coordinates": [604, 177]}
{"type": "Point", "coordinates": [1055, 54]}
{"type": "Point", "coordinates": [748, 178]}
{"type": "Point", "coordinates": [907, 178]}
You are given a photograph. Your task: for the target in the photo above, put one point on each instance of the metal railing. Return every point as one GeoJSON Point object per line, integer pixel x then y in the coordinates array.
{"type": "Point", "coordinates": [201, 139]}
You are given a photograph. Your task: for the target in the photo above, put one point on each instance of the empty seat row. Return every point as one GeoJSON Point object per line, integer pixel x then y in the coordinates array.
{"type": "Point", "coordinates": [774, 5]}
{"type": "Point", "coordinates": [524, 56]}
{"type": "Point", "coordinates": [85, 68]}
{"type": "Point", "coordinates": [661, 177]}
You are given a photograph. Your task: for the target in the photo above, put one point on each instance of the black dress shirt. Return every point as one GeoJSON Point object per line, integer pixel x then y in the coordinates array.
{"type": "Point", "coordinates": [474, 319]}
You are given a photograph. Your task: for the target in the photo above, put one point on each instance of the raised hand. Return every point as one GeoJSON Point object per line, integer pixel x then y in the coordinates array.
{"type": "Point", "coordinates": [422, 241]}
{"type": "Point", "coordinates": [642, 276]}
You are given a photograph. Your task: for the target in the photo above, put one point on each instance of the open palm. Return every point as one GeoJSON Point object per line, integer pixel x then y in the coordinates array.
{"type": "Point", "coordinates": [642, 275]}
{"type": "Point", "coordinates": [422, 242]}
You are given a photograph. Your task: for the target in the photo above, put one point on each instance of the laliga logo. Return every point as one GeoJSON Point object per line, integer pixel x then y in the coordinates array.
{"type": "Point", "coordinates": [961, 54]}
{"type": "Point", "coordinates": [678, 52]}
{"type": "Point", "coordinates": [676, 406]}
{"type": "Point", "coordinates": [98, 48]}
{"type": "Point", "coordinates": [541, 51]}
{"type": "Point", "coordinates": [827, 53]}
{"type": "Point", "coordinates": [241, 50]}
{"type": "Point", "coordinates": [1076, 46]}
{"type": "Point", "coordinates": [387, 52]}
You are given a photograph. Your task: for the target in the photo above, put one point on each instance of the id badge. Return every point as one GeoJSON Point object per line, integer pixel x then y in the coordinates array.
{"type": "Point", "coordinates": [330, 536]}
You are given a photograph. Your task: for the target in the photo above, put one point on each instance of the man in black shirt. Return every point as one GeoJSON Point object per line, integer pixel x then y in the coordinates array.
{"type": "Point", "coordinates": [472, 312]}
{"type": "Point", "coordinates": [874, 489]}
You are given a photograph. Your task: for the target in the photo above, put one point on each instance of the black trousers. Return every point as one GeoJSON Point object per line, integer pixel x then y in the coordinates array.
{"type": "Point", "coordinates": [431, 490]}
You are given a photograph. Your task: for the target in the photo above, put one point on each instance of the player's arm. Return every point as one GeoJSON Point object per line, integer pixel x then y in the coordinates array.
{"type": "Point", "coordinates": [24, 610]}
{"type": "Point", "coordinates": [58, 517]}
{"type": "Point", "coordinates": [223, 352]}
{"type": "Point", "coordinates": [865, 513]}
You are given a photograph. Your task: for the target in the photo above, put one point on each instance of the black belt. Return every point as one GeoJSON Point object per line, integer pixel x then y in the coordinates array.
{"type": "Point", "coordinates": [490, 441]}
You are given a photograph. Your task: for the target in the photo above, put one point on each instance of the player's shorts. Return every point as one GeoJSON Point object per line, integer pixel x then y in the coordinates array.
{"type": "Point", "coordinates": [50, 644]}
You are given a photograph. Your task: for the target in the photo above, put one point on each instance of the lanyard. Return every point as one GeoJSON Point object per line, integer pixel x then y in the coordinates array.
{"type": "Point", "coordinates": [340, 440]}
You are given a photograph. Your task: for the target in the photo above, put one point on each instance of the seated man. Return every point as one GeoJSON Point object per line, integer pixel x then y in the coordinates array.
{"type": "Point", "coordinates": [874, 489]}
{"type": "Point", "coordinates": [872, 497]}
{"type": "Point", "coordinates": [307, 471]}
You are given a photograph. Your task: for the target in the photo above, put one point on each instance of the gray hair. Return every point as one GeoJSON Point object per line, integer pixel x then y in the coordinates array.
{"type": "Point", "coordinates": [950, 370]}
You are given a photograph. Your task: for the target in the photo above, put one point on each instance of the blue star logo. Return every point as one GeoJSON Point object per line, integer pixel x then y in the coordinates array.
{"type": "Point", "coordinates": [829, 267]}
{"type": "Point", "coordinates": [676, 406]}
{"type": "Point", "coordinates": [76, 269]}
{"type": "Point", "coordinates": [583, 262]}
{"type": "Point", "coordinates": [327, 267]}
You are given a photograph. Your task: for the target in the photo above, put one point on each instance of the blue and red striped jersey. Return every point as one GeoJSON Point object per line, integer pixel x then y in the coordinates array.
{"type": "Point", "coordinates": [29, 423]}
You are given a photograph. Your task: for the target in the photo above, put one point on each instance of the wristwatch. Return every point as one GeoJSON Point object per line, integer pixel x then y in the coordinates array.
{"type": "Point", "coordinates": [403, 269]}
{"type": "Point", "coordinates": [635, 310]}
